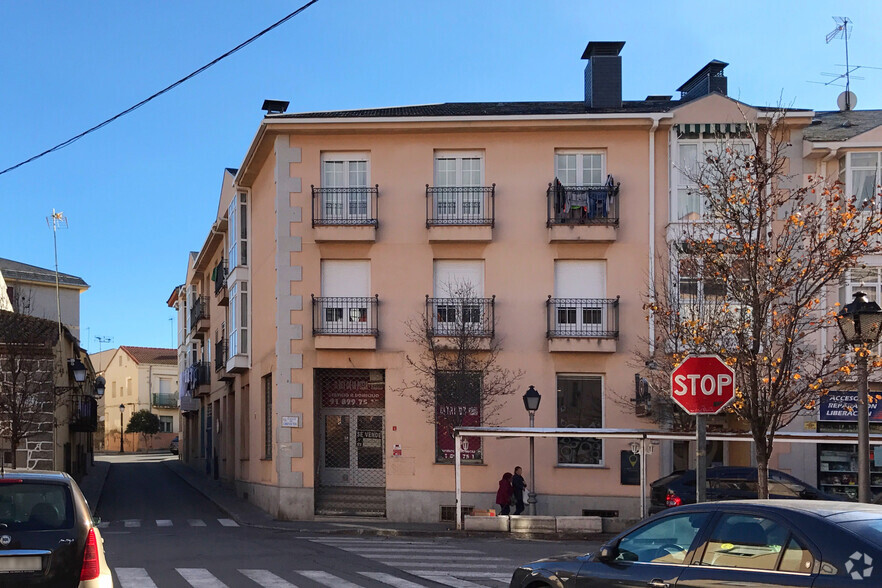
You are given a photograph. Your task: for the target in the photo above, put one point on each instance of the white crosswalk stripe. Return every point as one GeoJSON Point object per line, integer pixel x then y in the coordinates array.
{"type": "Point", "coordinates": [267, 579]}
{"type": "Point", "coordinates": [131, 523]}
{"type": "Point", "coordinates": [134, 578]}
{"type": "Point", "coordinates": [327, 579]}
{"type": "Point", "coordinates": [448, 580]}
{"type": "Point", "coordinates": [391, 580]}
{"type": "Point", "coordinates": [163, 523]}
{"type": "Point", "coordinates": [200, 578]}
{"type": "Point", "coordinates": [196, 522]}
{"type": "Point", "coordinates": [228, 522]}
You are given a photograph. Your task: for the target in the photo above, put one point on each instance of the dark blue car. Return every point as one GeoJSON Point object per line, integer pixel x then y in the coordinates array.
{"type": "Point", "coordinates": [730, 483]}
{"type": "Point", "coordinates": [756, 543]}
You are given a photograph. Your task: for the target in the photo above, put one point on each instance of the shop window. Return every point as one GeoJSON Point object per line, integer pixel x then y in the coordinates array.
{"type": "Point", "coordinates": [457, 404]}
{"type": "Point", "coordinates": [579, 405]}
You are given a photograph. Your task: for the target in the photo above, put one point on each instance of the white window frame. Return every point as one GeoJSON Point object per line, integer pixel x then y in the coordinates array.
{"type": "Point", "coordinates": [237, 231]}
{"type": "Point", "coordinates": [458, 204]}
{"type": "Point", "coordinates": [577, 177]}
{"type": "Point", "coordinates": [581, 312]}
{"type": "Point", "coordinates": [681, 186]}
{"type": "Point", "coordinates": [848, 169]}
{"type": "Point", "coordinates": [471, 314]}
{"type": "Point", "coordinates": [351, 318]}
{"type": "Point", "coordinates": [237, 340]}
{"type": "Point", "coordinates": [355, 205]}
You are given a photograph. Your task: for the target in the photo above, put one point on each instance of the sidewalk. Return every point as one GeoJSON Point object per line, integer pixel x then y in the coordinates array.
{"type": "Point", "coordinates": [247, 514]}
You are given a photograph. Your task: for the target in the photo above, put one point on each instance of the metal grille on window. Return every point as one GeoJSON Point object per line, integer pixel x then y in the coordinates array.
{"type": "Point", "coordinates": [351, 448]}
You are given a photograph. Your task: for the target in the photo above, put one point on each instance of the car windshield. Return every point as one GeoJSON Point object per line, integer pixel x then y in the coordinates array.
{"type": "Point", "coordinates": [869, 529]}
{"type": "Point", "coordinates": [34, 506]}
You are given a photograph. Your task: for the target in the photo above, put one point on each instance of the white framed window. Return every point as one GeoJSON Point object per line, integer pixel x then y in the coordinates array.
{"type": "Point", "coordinates": [689, 150]}
{"type": "Point", "coordinates": [579, 287]}
{"type": "Point", "coordinates": [458, 293]}
{"type": "Point", "coordinates": [580, 405]}
{"type": "Point", "coordinates": [345, 179]}
{"type": "Point", "coordinates": [861, 173]}
{"type": "Point", "coordinates": [166, 424]}
{"type": "Point", "coordinates": [458, 174]}
{"type": "Point", "coordinates": [238, 309]}
{"type": "Point", "coordinates": [580, 168]}
{"type": "Point", "coordinates": [237, 231]}
{"type": "Point", "coordinates": [346, 288]}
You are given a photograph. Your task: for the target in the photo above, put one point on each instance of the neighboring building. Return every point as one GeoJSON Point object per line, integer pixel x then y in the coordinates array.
{"type": "Point", "coordinates": [340, 227]}
{"type": "Point", "coordinates": [31, 290]}
{"type": "Point", "coordinates": [37, 368]}
{"type": "Point", "coordinates": [140, 378]}
{"type": "Point", "coordinates": [99, 361]}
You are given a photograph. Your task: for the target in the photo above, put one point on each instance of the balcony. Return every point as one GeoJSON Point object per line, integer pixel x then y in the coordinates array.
{"type": "Point", "coordinates": [220, 361]}
{"type": "Point", "coordinates": [582, 213]}
{"type": "Point", "coordinates": [165, 400]}
{"type": "Point", "coordinates": [345, 214]}
{"type": "Point", "coordinates": [472, 319]}
{"type": "Point", "coordinates": [83, 413]}
{"type": "Point", "coordinates": [345, 322]}
{"type": "Point", "coordinates": [219, 276]}
{"type": "Point", "coordinates": [201, 378]}
{"type": "Point", "coordinates": [582, 324]}
{"type": "Point", "coordinates": [460, 213]}
{"type": "Point", "coordinates": [199, 316]}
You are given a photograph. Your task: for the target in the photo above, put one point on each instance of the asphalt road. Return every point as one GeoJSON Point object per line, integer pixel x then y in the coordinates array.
{"type": "Point", "coordinates": [159, 531]}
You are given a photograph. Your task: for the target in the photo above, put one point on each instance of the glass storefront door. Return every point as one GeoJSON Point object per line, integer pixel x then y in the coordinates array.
{"type": "Point", "coordinates": [352, 448]}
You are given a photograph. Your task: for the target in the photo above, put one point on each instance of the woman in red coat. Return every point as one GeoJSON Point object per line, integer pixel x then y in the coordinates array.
{"type": "Point", "coordinates": [503, 495]}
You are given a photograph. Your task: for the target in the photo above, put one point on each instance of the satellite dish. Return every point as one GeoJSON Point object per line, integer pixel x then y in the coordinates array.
{"type": "Point", "coordinates": [847, 101]}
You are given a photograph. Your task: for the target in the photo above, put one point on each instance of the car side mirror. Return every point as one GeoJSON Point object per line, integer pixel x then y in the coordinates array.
{"type": "Point", "coordinates": [808, 494]}
{"type": "Point", "coordinates": [608, 552]}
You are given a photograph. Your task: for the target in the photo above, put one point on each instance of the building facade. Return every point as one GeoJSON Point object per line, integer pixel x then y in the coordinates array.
{"type": "Point", "coordinates": [140, 378]}
{"type": "Point", "coordinates": [343, 230]}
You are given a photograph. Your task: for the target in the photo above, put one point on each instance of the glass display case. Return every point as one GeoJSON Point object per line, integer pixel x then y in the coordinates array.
{"type": "Point", "coordinates": [837, 469]}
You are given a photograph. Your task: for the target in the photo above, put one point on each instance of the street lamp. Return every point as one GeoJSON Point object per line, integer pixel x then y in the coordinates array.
{"type": "Point", "coordinates": [860, 323]}
{"type": "Point", "coordinates": [122, 408]}
{"type": "Point", "coordinates": [532, 398]}
{"type": "Point", "coordinates": [99, 385]}
{"type": "Point", "coordinates": [78, 370]}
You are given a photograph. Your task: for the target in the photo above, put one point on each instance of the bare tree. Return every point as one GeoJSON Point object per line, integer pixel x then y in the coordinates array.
{"type": "Point", "coordinates": [458, 380]}
{"type": "Point", "coordinates": [26, 377]}
{"type": "Point", "coordinates": [749, 275]}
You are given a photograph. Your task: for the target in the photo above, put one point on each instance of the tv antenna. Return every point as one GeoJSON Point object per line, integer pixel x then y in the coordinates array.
{"type": "Point", "coordinates": [846, 100]}
{"type": "Point", "coordinates": [55, 221]}
{"type": "Point", "coordinates": [101, 340]}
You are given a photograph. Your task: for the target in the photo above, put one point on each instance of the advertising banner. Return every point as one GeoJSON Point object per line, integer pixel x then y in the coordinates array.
{"type": "Point", "coordinates": [841, 405]}
{"type": "Point", "coordinates": [352, 392]}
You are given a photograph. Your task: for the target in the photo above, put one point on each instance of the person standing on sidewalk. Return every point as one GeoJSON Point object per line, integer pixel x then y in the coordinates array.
{"type": "Point", "coordinates": [503, 495]}
{"type": "Point", "coordinates": [519, 486]}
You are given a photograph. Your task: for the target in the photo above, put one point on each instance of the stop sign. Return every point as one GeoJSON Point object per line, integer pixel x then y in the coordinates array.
{"type": "Point", "coordinates": [703, 384]}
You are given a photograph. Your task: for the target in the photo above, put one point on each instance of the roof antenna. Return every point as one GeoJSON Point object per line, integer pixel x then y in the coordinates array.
{"type": "Point", "coordinates": [843, 27]}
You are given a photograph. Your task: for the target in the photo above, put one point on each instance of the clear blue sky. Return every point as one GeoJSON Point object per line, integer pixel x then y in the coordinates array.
{"type": "Point", "coordinates": [142, 192]}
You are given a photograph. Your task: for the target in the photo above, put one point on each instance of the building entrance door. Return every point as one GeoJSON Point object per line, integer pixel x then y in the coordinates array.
{"type": "Point", "coordinates": [351, 444]}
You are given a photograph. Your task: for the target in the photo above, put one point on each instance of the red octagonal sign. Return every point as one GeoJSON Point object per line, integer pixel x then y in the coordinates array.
{"type": "Point", "coordinates": [703, 384]}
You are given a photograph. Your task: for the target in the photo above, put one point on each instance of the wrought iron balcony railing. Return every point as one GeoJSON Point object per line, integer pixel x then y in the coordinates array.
{"type": "Point", "coordinates": [345, 316]}
{"type": "Point", "coordinates": [162, 400]}
{"type": "Point", "coordinates": [460, 205]}
{"type": "Point", "coordinates": [219, 275]}
{"type": "Point", "coordinates": [198, 311]}
{"type": "Point", "coordinates": [583, 317]}
{"type": "Point", "coordinates": [83, 413]}
{"type": "Point", "coordinates": [220, 355]}
{"type": "Point", "coordinates": [345, 206]}
{"type": "Point", "coordinates": [455, 317]}
{"type": "Point", "coordinates": [583, 205]}
{"type": "Point", "coordinates": [201, 373]}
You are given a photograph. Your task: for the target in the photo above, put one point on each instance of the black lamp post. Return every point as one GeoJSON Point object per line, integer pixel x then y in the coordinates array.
{"type": "Point", "coordinates": [78, 370]}
{"type": "Point", "coordinates": [860, 323]}
{"type": "Point", "coordinates": [122, 408]}
{"type": "Point", "coordinates": [532, 398]}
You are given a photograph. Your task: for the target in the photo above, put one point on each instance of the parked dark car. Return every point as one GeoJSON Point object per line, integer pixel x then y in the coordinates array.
{"type": "Point", "coordinates": [756, 543]}
{"type": "Point", "coordinates": [729, 483]}
{"type": "Point", "coordinates": [173, 446]}
{"type": "Point", "coordinates": [47, 535]}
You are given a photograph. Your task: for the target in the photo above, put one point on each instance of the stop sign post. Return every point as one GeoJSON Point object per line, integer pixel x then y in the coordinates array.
{"type": "Point", "coordinates": [702, 385]}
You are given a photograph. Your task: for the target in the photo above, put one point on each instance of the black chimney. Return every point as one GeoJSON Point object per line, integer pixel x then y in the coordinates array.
{"type": "Point", "coordinates": [603, 74]}
{"type": "Point", "coordinates": [709, 79]}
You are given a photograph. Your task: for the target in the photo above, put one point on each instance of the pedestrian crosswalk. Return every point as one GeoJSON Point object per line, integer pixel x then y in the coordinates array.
{"type": "Point", "coordinates": [139, 523]}
{"type": "Point", "coordinates": [203, 578]}
{"type": "Point", "coordinates": [411, 563]}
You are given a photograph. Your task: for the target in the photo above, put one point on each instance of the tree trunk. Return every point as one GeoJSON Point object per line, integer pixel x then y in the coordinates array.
{"type": "Point", "coordinates": [762, 469]}
{"type": "Point", "coordinates": [14, 454]}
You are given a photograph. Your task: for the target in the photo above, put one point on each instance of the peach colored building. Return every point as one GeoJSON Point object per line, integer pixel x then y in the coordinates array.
{"type": "Point", "coordinates": [341, 227]}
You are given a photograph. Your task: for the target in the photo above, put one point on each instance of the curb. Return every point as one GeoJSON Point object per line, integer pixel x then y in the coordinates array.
{"type": "Point", "coordinates": [209, 498]}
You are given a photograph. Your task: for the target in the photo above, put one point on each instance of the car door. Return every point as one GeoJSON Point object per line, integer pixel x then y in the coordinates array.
{"type": "Point", "coordinates": [750, 549]}
{"type": "Point", "coordinates": [654, 554]}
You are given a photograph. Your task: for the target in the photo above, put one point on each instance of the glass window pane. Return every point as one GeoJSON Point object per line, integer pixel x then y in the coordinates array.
{"type": "Point", "coordinates": [580, 405]}
{"type": "Point", "coordinates": [796, 558]}
{"type": "Point", "coordinates": [369, 442]}
{"type": "Point", "coordinates": [688, 161]}
{"type": "Point", "coordinates": [745, 541]}
{"type": "Point", "coordinates": [665, 541]}
{"type": "Point", "coordinates": [592, 169]}
{"type": "Point", "coordinates": [864, 159]}
{"type": "Point", "coordinates": [566, 169]}
{"type": "Point", "coordinates": [336, 441]}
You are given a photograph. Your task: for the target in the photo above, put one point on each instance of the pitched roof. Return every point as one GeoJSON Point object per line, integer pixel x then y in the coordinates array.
{"type": "Point", "coordinates": [15, 270]}
{"type": "Point", "coordinates": [152, 354]}
{"type": "Point", "coordinates": [842, 126]}
{"type": "Point", "coordinates": [22, 328]}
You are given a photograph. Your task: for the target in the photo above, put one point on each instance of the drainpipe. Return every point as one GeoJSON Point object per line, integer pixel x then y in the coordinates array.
{"type": "Point", "coordinates": [652, 130]}
{"type": "Point", "coordinates": [830, 156]}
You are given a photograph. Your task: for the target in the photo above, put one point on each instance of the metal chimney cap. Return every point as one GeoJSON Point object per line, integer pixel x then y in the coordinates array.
{"type": "Point", "coordinates": [602, 48]}
{"type": "Point", "coordinates": [274, 106]}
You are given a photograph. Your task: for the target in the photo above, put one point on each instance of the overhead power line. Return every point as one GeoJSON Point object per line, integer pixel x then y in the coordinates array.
{"type": "Point", "coordinates": [242, 45]}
